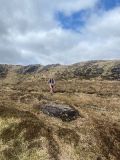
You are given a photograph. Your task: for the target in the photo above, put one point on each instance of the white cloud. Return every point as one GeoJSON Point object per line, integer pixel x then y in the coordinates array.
{"type": "Point", "coordinates": [31, 34]}
{"type": "Point", "coordinates": [107, 24]}
{"type": "Point", "coordinates": [71, 6]}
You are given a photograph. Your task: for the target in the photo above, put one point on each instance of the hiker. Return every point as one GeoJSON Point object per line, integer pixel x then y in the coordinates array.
{"type": "Point", "coordinates": [51, 83]}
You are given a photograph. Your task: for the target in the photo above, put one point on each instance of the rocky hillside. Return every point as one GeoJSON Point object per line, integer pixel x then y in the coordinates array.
{"type": "Point", "coordinates": [80, 121]}
{"type": "Point", "coordinates": [106, 70]}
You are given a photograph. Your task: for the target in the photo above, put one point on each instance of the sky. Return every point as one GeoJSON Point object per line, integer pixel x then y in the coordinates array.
{"type": "Point", "coordinates": [59, 31]}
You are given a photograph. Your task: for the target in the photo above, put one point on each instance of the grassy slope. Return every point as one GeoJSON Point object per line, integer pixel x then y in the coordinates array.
{"type": "Point", "coordinates": [26, 133]}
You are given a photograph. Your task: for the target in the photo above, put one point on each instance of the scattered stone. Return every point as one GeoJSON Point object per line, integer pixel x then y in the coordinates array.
{"type": "Point", "coordinates": [65, 112]}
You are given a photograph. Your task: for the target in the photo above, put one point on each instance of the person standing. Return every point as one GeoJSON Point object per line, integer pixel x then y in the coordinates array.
{"type": "Point", "coordinates": [51, 83]}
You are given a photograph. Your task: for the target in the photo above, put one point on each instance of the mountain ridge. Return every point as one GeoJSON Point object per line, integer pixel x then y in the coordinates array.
{"type": "Point", "coordinates": [109, 70]}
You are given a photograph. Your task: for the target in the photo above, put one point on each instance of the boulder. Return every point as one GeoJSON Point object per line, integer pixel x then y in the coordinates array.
{"type": "Point", "coordinates": [64, 112]}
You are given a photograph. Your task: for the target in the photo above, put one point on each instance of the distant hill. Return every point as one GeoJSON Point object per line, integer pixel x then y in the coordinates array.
{"type": "Point", "coordinates": [109, 70]}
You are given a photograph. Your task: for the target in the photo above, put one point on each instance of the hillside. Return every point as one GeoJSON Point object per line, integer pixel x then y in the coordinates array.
{"type": "Point", "coordinates": [92, 88]}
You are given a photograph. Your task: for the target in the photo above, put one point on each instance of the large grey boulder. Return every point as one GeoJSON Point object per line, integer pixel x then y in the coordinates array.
{"type": "Point", "coordinates": [64, 112]}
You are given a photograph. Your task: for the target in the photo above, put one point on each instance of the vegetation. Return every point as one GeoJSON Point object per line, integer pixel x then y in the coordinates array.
{"type": "Point", "coordinates": [92, 88]}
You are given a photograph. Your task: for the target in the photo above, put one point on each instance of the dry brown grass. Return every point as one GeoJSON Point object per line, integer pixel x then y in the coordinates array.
{"type": "Point", "coordinates": [26, 133]}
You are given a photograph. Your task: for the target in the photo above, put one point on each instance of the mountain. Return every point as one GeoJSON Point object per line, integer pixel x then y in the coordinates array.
{"type": "Point", "coordinates": [80, 121]}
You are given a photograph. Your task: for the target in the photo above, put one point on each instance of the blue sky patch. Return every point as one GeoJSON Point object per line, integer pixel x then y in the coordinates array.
{"type": "Point", "coordinates": [73, 22]}
{"type": "Point", "coordinates": [108, 4]}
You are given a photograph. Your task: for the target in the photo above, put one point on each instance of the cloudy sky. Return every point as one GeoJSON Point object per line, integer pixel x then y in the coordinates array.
{"type": "Point", "coordinates": [59, 31]}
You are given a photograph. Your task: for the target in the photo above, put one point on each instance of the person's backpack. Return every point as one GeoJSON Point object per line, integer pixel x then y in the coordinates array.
{"type": "Point", "coordinates": [51, 81]}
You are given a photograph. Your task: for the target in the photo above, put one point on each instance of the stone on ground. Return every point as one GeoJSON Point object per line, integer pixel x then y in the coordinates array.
{"type": "Point", "coordinates": [64, 112]}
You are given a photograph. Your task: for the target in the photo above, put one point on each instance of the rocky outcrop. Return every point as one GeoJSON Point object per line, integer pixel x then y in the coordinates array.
{"type": "Point", "coordinates": [48, 67]}
{"type": "Point", "coordinates": [64, 112]}
{"type": "Point", "coordinates": [114, 73]}
{"type": "Point", "coordinates": [88, 71]}
{"type": "Point", "coordinates": [3, 71]}
{"type": "Point", "coordinates": [109, 70]}
{"type": "Point", "coordinates": [29, 69]}
{"type": "Point", "coordinates": [35, 68]}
